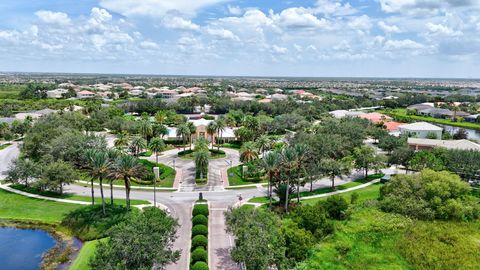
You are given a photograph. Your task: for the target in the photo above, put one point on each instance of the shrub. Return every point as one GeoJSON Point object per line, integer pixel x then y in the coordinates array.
{"type": "Point", "coordinates": [186, 152]}
{"type": "Point", "coordinates": [200, 220]}
{"type": "Point", "coordinates": [313, 219]}
{"type": "Point", "coordinates": [199, 230]}
{"type": "Point", "coordinates": [200, 266]}
{"type": "Point", "coordinates": [336, 207]}
{"type": "Point", "coordinates": [199, 241]}
{"type": "Point", "coordinates": [199, 255]}
{"type": "Point", "coordinates": [354, 198]}
{"type": "Point", "coordinates": [200, 209]}
{"type": "Point", "coordinates": [217, 152]}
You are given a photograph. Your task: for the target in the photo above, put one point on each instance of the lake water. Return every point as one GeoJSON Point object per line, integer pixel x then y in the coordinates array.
{"type": "Point", "coordinates": [22, 249]}
{"type": "Point", "coordinates": [472, 134]}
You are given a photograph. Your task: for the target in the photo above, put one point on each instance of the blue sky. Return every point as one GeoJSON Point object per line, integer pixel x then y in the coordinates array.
{"type": "Point", "coordinates": [321, 38]}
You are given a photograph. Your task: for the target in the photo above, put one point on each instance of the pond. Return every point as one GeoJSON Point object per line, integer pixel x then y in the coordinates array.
{"type": "Point", "coordinates": [22, 249]}
{"type": "Point", "coordinates": [472, 134]}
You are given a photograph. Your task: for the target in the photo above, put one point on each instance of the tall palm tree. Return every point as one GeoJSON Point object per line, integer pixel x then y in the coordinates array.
{"type": "Point", "coordinates": [221, 126]}
{"type": "Point", "coordinates": [126, 167]}
{"type": "Point", "coordinates": [112, 154]}
{"type": "Point", "coordinates": [121, 141]}
{"type": "Point", "coordinates": [161, 117]}
{"type": "Point", "coordinates": [90, 153]}
{"type": "Point", "coordinates": [99, 168]}
{"type": "Point", "coordinates": [302, 152]}
{"type": "Point", "coordinates": [271, 163]}
{"type": "Point", "coordinates": [211, 130]}
{"type": "Point", "coordinates": [201, 162]}
{"type": "Point", "coordinates": [192, 129]}
{"type": "Point", "coordinates": [156, 145]}
{"type": "Point", "coordinates": [146, 129]}
{"type": "Point", "coordinates": [160, 131]}
{"type": "Point", "coordinates": [184, 132]}
{"type": "Point", "coordinates": [137, 145]}
{"type": "Point", "coordinates": [263, 144]}
{"type": "Point", "coordinates": [289, 161]}
{"type": "Point", "coordinates": [201, 144]}
{"type": "Point", "coordinates": [248, 152]}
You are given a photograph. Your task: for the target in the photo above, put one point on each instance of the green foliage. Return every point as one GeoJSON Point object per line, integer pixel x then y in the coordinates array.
{"type": "Point", "coordinates": [199, 230]}
{"type": "Point", "coordinates": [199, 254]}
{"type": "Point", "coordinates": [139, 242]}
{"type": "Point", "coordinates": [430, 195]}
{"type": "Point", "coordinates": [90, 223]}
{"type": "Point", "coordinates": [199, 241]}
{"type": "Point", "coordinates": [200, 266]}
{"type": "Point", "coordinates": [298, 241]}
{"type": "Point", "coordinates": [313, 219]}
{"type": "Point", "coordinates": [336, 207]}
{"type": "Point", "coordinates": [199, 220]}
{"type": "Point", "coordinates": [200, 209]}
{"type": "Point", "coordinates": [354, 198]}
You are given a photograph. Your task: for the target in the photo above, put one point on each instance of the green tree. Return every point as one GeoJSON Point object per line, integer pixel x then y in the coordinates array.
{"type": "Point", "coordinates": [298, 240]}
{"type": "Point", "coordinates": [334, 168]}
{"type": "Point", "coordinates": [271, 163]}
{"type": "Point", "coordinates": [201, 144]}
{"type": "Point", "coordinates": [211, 130]}
{"type": "Point", "coordinates": [22, 171]}
{"type": "Point", "coordinates": [146, 129]}
{"type": "Point", "coordinates": [426, 160]}
{"type": "Point", "coordinates": [126, 167]}
{"type": "Point", "coordinates": [142, 242]}
{"type": "Point", "coordinates": [99, 169]}
{"type": "Point", "coordinates": [290, 164]}
{"type": "Point", "coordinates": [366, 159]}
{"type": "Point", "coordinates": [248, 152]}
{"type": "Point", "coordinates": [221, 126]}
{"type": "Point", "coordinates": [57, 174]}
{"type": "Point", "coordinates": [160, 117]}
{"type": "Point", "coordinates": [193, 129]}
{"type": "Point", "coordinates": [121, 140]}
{"type": "Point", "coordinates": [263, 144]}
{"type": "Point", "coordinates": [201, 162]}
{"type": "Point", "coordinates": [402, 156]}
{"type": "Point", "coordinates": [157, 146]}
{"type": "Point", "coordinates": [184, 132]}
{"type": "Point", "coordinates": [137, 145]}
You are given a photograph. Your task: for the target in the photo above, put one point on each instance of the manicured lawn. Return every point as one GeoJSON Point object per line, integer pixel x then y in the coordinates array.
{"type": "Point", "coordinates": [261, 200]}
{"type": "Point", "coordinates": [235, 146]}
{"type": "Point", "coordinates": [3, 146]}
{"type": "Point", "coordinates": [17, 207]}
{"type": "Point", "coordinates": [401, 115]}
{"type": "Point", "coordinates": [87, 251]}
{"type": "Point", "coordinates": [191, 155]}
{"type": "Point", "coordinates": [369, 193]}
{"type": "Point", "coordinates": [235, 178]}
{"type": "Point", "coordinates": [76, 197]}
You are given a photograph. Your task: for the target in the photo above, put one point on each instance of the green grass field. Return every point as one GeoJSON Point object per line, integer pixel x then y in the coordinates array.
{"type": "Point", "coordinates": [401, 115]}
{"type": "Point", "coordinates": [87, 251]}
{"type": "Point", "coordinates": [17, 207]}
{"type": "Point", "coordinates": [74, 197]}
{"type": "Point", "coordinates": [369, 193]}
{"type": "Point", "coordinates": [235, 178]}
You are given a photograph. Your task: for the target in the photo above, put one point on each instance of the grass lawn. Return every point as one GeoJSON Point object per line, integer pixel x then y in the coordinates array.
{"type": "Point", "coordinates": [3, 146]}
{"type": "Point", "coordinates": [369, 193]}
{"type": "Point", "coordinates": [191, 155]}
{"type": "Point", "coordinates": [261, 200]}
{"type": "Point", "coordinates": [87, 251]}
{"type": "Point", "coordinates": [235, 146]}
{"type": "Point", "coordinates": [18, 207]}
{"type": "Point", "coordinates": [235, 178]}
{"type": "Point", "coordinates": [74, 197]}
{"type": "Point", "coordinates": [401, 115]}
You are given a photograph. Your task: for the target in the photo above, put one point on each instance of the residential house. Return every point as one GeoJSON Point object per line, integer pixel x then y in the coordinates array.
{"type": "Point", "coordinates": [421, 144]}
{"type": "Point", "coordinates": [85, 94]}
{"type": "Point", "coordinates": [421, 130]}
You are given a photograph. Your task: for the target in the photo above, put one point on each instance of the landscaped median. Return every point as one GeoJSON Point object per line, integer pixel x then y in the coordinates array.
{"type": "Point", "coordinates": [237, 178]}
{"type": "Point", "coordinates": [199, 253]}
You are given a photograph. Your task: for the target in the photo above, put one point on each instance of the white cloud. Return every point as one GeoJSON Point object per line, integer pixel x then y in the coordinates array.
{"type": "Point", "coordinates": [235, 10]}
{"type": "Point", "coordinates": [157, 8]}
{"type": "Point", "coordinates": [179, 23]}
{"type": "Point", "coordinates": [299, 18]}
{"type": "Point", "coordinates": [49, 17]}
{"type": "Point", "coordinates": [334, 7]}
{"type": "Point", "coordinates": [9, 35]}
{"type": "Point", "coordinates": [442, 30]}
{"type": "Point", "coordinates": [149, 45]}
{"type": "Point", "coordinates": [402, 44]}
{"type": "Point", "coordinates": [221, 33]}
{"type": "Point", "coordinates": [279, 50]}
{"type": "Point", "coordinates": [360, 23]}
{"type": "Point", "coordinates": [423, 7]}
{"type": "Point", "coordinates": [388, 28]}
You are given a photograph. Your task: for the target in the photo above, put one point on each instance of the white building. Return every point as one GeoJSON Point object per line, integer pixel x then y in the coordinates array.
{"type": "Point", "coordinates": [421, 130]}
{"type": "Point", "coordinates": [345, 113]}
{"type": "Point", "coordinates": [57, 93]}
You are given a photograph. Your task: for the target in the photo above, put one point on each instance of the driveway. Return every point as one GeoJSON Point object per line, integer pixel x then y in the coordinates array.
{"type": "Point", "coordinates": [7, 155]}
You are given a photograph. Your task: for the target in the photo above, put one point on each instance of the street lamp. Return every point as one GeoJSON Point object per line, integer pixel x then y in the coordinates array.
{"type": "Point", "coordinates": [156, 171]}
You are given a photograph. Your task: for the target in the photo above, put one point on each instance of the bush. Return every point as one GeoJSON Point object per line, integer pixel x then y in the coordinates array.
{"type": "Point", "coordinates": [217, 152]}
{"type": "Point", "coordinates": [313, 219]}
{"type": "Point", "coordinates": [199, 255]}
{"type": "Point", "coordinates": [186, 152]}
{"type": "Point", "coordinates": [336, 207]}
{"type": "Point", "coordinates": [200, 220]}
{"type": "Point", "coordinates": [199, 230]}
{"type": "Point", "coordinates": [200, 209]}
{"type": "Point", "coordinates": [199, 241]}
{"type": "Point", "coordinates": [200, 266]}
{"type": "Point", "coordinates": [354, 198]}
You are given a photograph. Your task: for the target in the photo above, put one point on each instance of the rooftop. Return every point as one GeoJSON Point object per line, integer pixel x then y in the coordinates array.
{"type": "Point", "coordinates": [421, 126]}
{"type": "Point", "coordinates": [449, 144]}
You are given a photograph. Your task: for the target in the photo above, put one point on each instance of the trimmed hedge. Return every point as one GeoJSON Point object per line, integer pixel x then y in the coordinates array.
{"type": "Point", "coordinates": [199, 241]}
{"type": "Point", "coordinates": [199, 255]}
{"type": "Point", "coordinates": [186, 152]}
{"type": "Point", "coordinates": [217, 152]}
{"type": "Point", "coordinates": [200, 220]}
{"type": "Point", "coordinates": [200, 266]}
{"type": "Point", "coordinates": [199, 230]}
{"type": "Point", "coordinates": [200, 209]}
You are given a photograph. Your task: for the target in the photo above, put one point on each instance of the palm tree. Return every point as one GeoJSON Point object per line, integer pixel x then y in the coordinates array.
{"type": "Point", "coordinates": [192, 129]}
{"type": "Point", "coordinates": [184, 132]}
{"type": "Point", "coordinates": [89, 153]}
{"type": "Point", "coordinates": [146, 129]}
{"type": "Point", "coordinates": [221, 126]}
{"type": "Point", "coordinates": [161, 117]}
{"type": "Point", "coordinates": [201, 162]}
{"type": "Point", "coordinates": [112, 154]}
{"type": "Point", "coordinates": [201, 144]}
{"type": "Point", "coordinates": [263, 144]}
{"type": "Point", "coordinates": [160, 131]}
{"type": "Point", "coordinates": [99, 168]}
{"type": "Point", "coordinates": [137, 145]}
{"type": "Point", "coordinates": [302, 152]}
{"type": "Point", "coordinates": [156, 145]}
{"type": "Point", "coordinates": [248, 152]}
{"type": "Point", "coordinates": [289, 160]}
{"type": "Point", "coordinates": [271, 163]}
{"type": "Point", "coordinates": [121, 141]}
{"type": "Point", "coordinates": [211, 130]}
{"type": "Point", "coordinates": [126, 167]}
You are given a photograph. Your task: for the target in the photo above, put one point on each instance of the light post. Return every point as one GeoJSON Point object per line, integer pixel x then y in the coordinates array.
{"type": "Point", "coordinates": [156, 171]}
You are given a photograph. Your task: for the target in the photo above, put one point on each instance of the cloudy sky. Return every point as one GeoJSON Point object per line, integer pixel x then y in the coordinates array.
{"type": "Point", "coordinates": [321, 38]}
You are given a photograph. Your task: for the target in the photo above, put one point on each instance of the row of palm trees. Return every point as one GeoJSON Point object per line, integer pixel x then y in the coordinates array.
{"type": "Point", "coordinates": [112, 165]}
{"type": "Point", "coordinates": [187, 130]}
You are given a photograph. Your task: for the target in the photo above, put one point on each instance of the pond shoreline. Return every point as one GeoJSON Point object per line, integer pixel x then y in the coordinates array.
{"type": "Point", "coordinates": [62, 254]}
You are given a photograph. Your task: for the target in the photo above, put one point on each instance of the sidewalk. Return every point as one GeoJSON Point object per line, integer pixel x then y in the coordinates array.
{"type": "Point", "coordinates": [132, 187]}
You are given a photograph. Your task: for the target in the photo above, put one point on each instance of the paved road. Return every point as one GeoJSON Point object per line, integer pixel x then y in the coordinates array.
{"type": "Point", "coordinates": [7, 155]}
